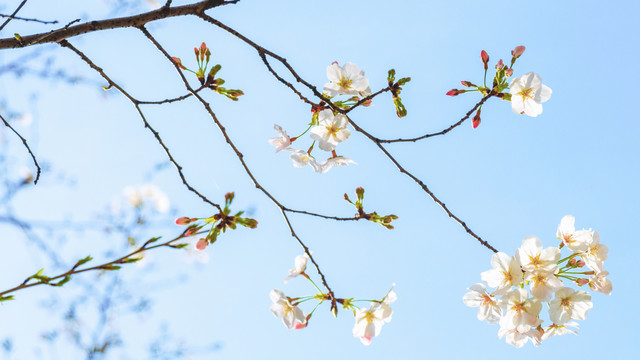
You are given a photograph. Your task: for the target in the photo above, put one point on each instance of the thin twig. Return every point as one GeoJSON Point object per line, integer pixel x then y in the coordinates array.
{"type": "Point", "coordinates": [11, 17]}
{"type": "Point", "coordinates": [24, 142]}
{"type": "Point", "coordinates": [28, 19]}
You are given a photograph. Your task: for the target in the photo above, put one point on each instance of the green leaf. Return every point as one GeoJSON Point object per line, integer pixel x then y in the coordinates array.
{"type": "Point", "coordinates": [83, 261]}
{"type": "Point", "coordinates": [62, 282]}
{"type": "Point", "coordinates": [6, 298]}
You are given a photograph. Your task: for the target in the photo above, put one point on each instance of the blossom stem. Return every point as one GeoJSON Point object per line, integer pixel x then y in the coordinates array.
{"type": "Point", "coordinates": [567, 258]}
{"type": "Point", "coordinates": [314, 285]}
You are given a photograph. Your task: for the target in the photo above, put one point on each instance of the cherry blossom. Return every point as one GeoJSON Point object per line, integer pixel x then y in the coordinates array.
{"type": "Point", "coordinates": [519, 311]}
{"type": "Point", "coordinates": [600, 283]}
{"type": "Point", "coordinates": [282, 141]}
{"type": "Point", "coordinates": [506, 273]}
{"type": "Point", "coordinates": [532, 257]}
{"type": "Point", "coordinates": [543, 284]}
{"type": "Point", "coordinates": [329, 163]}
{"type": "Point", "coordinates": [519, 338]}
{"type": "Point", "coordinates": [302, 158]}
{"type": "Point", "coordinates": [300, 265]}
{"type": "Point", "coordinates": [596, 253]}
{"type": "Point", "coordinates": [331, 130]}
{"type": "Point", "coordinates": [576, 241]}
{"type": "Point", "coordinates": [528, 93]}
{"type": "Point", "coordinates": [347, 80]}
{"type": "Point", "coordinates": [556, 329]}
{"type": "Point", "coordinates": [488, 305]}
{"type": "Point", "coordinates": [369, 322]}
{"type": "Point", "coordinates": [291, 315]}
{"type": "Point", "coordinates": [569, 304]}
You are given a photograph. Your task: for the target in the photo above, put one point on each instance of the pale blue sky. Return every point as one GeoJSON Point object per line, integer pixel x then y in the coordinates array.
{"type": "Point", "coordinates": [512, 177]}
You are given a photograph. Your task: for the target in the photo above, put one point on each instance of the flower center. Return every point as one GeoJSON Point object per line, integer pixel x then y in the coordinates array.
{"type": "Point", "coordinates": [345, 83]}
{"type": "Point", "coordinates": [526, 93]}
{"type": "Point", "coordinates": [369, 316]}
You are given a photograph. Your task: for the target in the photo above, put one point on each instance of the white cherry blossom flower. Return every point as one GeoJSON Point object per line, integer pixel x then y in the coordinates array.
{"type": "Point", "coordinates": [506, 273]}
{"type": "Point", "coordinates": [596, 253]}
{"type": "Point", "coordinates": [519, 311]}
{"type": "Point", "coordinates": [543, 284]}
{"type": "Point", "coordinates": [528, 93]}
{"type": "Point", "coordinates": [300, 265]}
{"type": "Point", "coordinates": [347, 80]}
{"type": "Point", "coordinates": [569, 304]}
{"type": "Point", "coordinates": [331, 130]}
{"type": "Point", "coordinates": [532, 257]}
{"type": "Point", "coordinates": [600, 283]}
{"type": "Point", "coordinates": [519, 338]}
{"type": "Point", "coordinates": [329, 163]}
{"type": "Point", "coordinates": [488, 305]}
{"type": "Point", "coordinates": [576, 241]}
{"type": "Point", "coordinates": [291, 315]}
{"type": "Point", "coordinates": [282, 141]}
{"type": "Point", "coordinates": [556, 329]}
{"type": "Point", "coordinates": [302, 158]}
{"type": "Point", "coordinates": [369, 322]}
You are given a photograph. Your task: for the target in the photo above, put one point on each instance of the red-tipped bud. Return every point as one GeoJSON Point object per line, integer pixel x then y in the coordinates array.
{"type": "Point", "coordinates": [499, 65]}
{"type": "Point", "coordinates": [517, 52]}
{"type": "Point", "coordinates": [581, 263]}
{"type": "Point", "coordinates": [197, 51]}
{"type": "Point", "coordinates": [203, 50]}
{"type": "Point", "coordinates": [508, 73]}
{"type": "Point", "coordinates": [178, 62]}
{"type": "Point", "coordinates": [202, 244]}
{"type": "Point", "coordinates": [184, 221]}
{"type": "Point", "coordinates": [485, 59]}
{"type": "Point", "coordinates": [455, 92]}
{"type": "Point", "coordinates": [572, 262]}
{"type": "Point", "coordinates": [476, 119]}
{"type": "Point", "coordinates": [467, 84]}
{"type": "Point", "coordinates": [581, 282]}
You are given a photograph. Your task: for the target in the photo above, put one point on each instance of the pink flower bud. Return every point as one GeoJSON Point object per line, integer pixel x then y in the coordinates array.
{"type": "Point", "coordinates": [455, 92]}
{"type": "Point", "coordinates": [581, 263]}
{"type": "Point", "coordinates": [485, 59]}
{"type": "Point", "coordinates": [183, 221]}
{"type": "Point", "coordinates": [509, 72]}
{"type": "Point", "coordinates": [517, 52]}
{"type": "Point", "coordinates": [178, 62]}
{"type": "Point", "coordinates": [476, 119]}
{"type": "Point", "coordinates": [499, 65]}
{"type": "Point", "coordinates": [201, 244]}
{"type": "Point", "coordinates": [581, 282]}
{"type": "Point", "coordinates": [467, 84]}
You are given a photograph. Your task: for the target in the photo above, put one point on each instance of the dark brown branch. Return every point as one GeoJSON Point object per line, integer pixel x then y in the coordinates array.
{"type": "Point", "coordinates": [12, 16]}
{"type": "Point", "coordinates": [123, 22]}
{"type": "Point", "coordinates": [466, 116]}
{"type": "Point", "coordinates": [65, 43]}
{"type": "Point", "coordinates": [24, 142]}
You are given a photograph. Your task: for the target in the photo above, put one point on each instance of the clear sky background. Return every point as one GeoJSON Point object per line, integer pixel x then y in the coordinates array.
{"type": "Point", "coordinates": [512, 177]}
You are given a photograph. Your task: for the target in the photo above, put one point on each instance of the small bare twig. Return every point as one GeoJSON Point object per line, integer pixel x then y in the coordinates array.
{"type": "Point", "coordinates": [24, 142]}
{"type": "Point", "coordinates": [28, 19]}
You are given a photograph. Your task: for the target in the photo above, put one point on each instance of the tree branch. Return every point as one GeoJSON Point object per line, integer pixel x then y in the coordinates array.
{"type": "Point", "coordinates": [24, 142]}
{"type": "Point", "coordinates": [164, 12]}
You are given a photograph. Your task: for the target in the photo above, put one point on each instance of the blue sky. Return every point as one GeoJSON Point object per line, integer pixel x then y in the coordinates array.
{"type": "Point", "coordinates": [512, 177]}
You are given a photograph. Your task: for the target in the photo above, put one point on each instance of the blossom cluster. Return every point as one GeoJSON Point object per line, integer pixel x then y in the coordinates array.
{"type": "Point", "coordinates": [368, 322]}
{"type": "Point", "coordinates": [526, 93]}
{"type": "Point", "coordinates": [328, 128]}
{"type": "Point", "coordinates": [518, 310]}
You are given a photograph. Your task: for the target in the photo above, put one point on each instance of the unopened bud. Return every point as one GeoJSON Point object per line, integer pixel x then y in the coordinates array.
{"type": "Point", "coordinates": [517, 52]}
{"type": "Point", "coordinates": [476, 119]}
{"type": "Point", "coordinates": [178, 62]}
{"type": "Point", "coordinates": [360, 192]}
{"type": "Point", "coordinates": [455, 92]}
{"type": "Point", "coordinates": [581, 263]}
{"type": "Point", "coordinates": [184, 221]}
{"type": "Point", "coordinates": [508, 73]}
{"type": "Point", "coordinates": [202, 244]}
{"type": "Point", "coordinates": [581, 282]}
{"type": "Point", "coordinates": [499, 65]}
{"type": "Point", "coordinates": [485, 59]}
{"type": "Point", "coordinates": [467, 84]}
